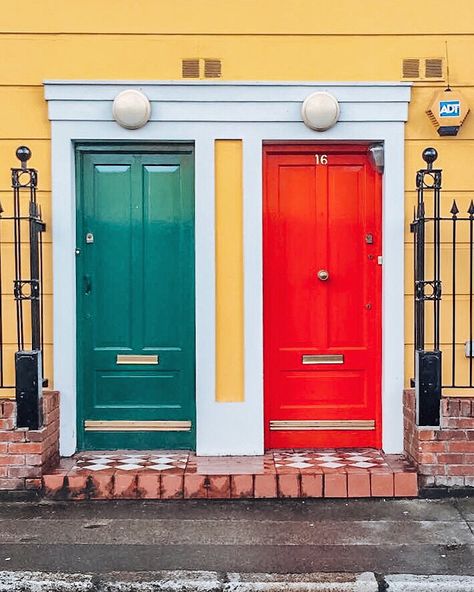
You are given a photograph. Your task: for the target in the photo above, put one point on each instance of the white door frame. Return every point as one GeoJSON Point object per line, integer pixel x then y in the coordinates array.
{"type": "Point", "coordinates": [202, 112]}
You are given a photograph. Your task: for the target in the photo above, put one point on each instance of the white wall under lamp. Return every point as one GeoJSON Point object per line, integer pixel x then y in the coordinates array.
{"type": "Point", "coordinates": [131, 109]}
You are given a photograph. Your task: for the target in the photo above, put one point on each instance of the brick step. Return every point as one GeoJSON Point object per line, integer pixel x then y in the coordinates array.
{"type": "Point", "coordinates": [353, 473]}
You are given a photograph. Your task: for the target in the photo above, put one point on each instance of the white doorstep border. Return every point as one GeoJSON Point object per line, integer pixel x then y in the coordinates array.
{"type": "Point", "coordinates": [202, 112]}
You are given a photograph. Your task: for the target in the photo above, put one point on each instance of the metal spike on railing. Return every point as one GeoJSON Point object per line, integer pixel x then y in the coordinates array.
{"type": "Point", "coordinates": [470, 210]}
{"type": "Point", "coordinates": [454, 209]}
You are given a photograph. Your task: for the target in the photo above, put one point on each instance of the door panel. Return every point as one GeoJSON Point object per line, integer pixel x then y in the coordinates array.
{"type": "Point", "coordinates": [321, 218]}
{"type": "Point", "coordinates": [135, 281]}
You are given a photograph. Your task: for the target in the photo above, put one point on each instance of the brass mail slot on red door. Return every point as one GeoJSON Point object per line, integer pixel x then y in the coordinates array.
{"type": "Point", "coordinates": [323, 359]}
{"type": "Point", "coordinates": [137, 359]}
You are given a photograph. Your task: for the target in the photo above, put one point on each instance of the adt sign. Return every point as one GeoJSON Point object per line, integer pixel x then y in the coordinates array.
{"type": "Point", "coordinates": [450, 108]}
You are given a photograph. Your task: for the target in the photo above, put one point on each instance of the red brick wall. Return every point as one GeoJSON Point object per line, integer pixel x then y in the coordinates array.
{"type": "Point", "coordinates": [24, 453]}
{"type": "Point", "coordinates": [445, 455]}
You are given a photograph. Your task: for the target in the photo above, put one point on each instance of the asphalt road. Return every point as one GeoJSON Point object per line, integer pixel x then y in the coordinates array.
{"type": "Point", "coordinates": [274, 536]}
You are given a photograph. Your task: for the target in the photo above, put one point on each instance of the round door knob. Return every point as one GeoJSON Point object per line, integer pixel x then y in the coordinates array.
{"type": "Point", "coordinates": [323, 275]}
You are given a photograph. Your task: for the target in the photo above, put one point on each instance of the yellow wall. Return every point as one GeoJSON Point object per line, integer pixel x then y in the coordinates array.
{"type": "Point", "coordinates": [229, 272]}
{"type": "Point", "coordinates": [263, 40]}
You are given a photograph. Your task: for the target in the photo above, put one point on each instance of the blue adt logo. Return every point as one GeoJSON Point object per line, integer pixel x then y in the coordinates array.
{"type": "Point", "coordinates": [450, 108]}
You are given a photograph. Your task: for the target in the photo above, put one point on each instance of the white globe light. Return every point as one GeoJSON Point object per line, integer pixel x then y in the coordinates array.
{"type": "Point", "coordinates": [320, 111]}
{"type": "Point", "coordinates": [131, 109]}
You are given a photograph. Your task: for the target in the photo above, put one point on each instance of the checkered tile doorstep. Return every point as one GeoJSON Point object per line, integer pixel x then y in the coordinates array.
{"type": "Point", "coordinates": [131, 462]}
{"type": "Point", "coordinates": [305, 459]}
{"type": "Point", "coordinates": [180, 474]}
{"type": "Point", "coordinates": [361, 459]}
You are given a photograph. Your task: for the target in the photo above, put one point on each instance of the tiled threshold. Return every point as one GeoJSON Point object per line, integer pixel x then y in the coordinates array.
{"type": "Point", "coordinates": [335, 473]}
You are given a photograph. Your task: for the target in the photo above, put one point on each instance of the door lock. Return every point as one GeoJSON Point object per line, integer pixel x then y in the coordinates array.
{"type": "Point", "coordinates": [89, 238]}
{"type": "Point", "coordinates": [323, 275]}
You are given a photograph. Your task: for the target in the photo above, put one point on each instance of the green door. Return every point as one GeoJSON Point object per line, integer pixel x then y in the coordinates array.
{"type": "Point", "coordinates": [135, 298]}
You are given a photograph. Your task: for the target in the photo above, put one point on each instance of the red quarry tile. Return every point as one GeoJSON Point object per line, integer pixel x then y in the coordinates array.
{"type": "Point", "coordinates": [312, 471]}
{"type": "Point", "coordinates": [53, 483]}
{"type": "Point", "coordinates": [195, 486]}
{"type": "Point", "coordinates": [311, 484]}
{"type": "Point", "coordinates": [398, 463]}
{"type": "Point", "coordinates": [381, 484]}
{"type": "Point", "coordinates": [406, 484]}
{"type": "Point", "coordinates": [241, 486]}
{"type": "Point", "coordinates": [172, 485]}
{"type": "Point", "coordinates": [335, 484]}
{"type": "Point", "coordinates": [228, 465]}
{"type": "Point", "coordinates": [64, 466]}
{"type": "Point", "coordinates": [102, 485]}
{"type": "Point", "coordinates": [289, 485]}
{"type": "Point", "coordinates": [149, 485]}
{"type": "Point", "coordinates": [286, 470]}
{"type": "Point", "coordinates": [268, 467]}
{"type": "Point", "coordinates": [358, 484]}
{"type": "Point", "coordinates": [265, 485]}
{"type": "Point", "coordinates": [191, 467]}
{"type": "Point", "coordinates": [33, 483]}
{"type": "Point", "coordinates": [125, 485]}
{"type": "Point", "coordinates": [77, 485]}
{"type": "Point", "coordinates": [219, 487]}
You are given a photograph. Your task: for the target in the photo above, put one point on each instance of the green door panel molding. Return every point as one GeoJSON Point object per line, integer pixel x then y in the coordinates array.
{"type": "Point", "coordinates": [135, 297]}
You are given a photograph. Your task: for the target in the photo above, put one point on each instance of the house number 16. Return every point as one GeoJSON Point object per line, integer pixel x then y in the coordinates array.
{"type": "Point", "coordinates": [321, 158]}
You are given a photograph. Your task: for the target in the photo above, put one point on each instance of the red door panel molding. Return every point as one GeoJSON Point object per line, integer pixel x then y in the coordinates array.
{"type": "Point", "coordinates": [322, 296]}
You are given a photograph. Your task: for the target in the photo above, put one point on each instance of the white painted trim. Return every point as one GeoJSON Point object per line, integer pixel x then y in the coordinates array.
{"type": "Point", "coordinates": [254, 112]}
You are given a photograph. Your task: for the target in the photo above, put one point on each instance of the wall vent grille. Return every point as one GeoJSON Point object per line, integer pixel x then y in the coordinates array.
{"type": "Point", "coordinates": [212, 68]}
{"type": "Point", "coordinates": [411, 68]}
{"type": "Point", "coordinates": [201, 68]}
{"type": "Point", "coordinates": [190, 68]}
{"type": "Point", "coordinates": [423, 69]}
{"type": "Point", "coordinates": [434, 68]}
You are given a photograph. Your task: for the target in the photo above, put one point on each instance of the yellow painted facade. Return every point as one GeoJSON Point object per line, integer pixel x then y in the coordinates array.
{"type": "Point", "coordinates": [229, 271]}
{"type": "Point", "coordinates": [255, 40]}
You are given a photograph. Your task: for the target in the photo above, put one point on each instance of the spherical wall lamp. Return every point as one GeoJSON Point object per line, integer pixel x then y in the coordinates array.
{"type": "Point", "coordinates": [131, 109]}
{"type": "Point", "coordinates": [320, 111]}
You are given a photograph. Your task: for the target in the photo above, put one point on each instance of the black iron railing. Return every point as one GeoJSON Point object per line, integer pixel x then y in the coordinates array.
{"type": "Point", "coordinates": [443, 261]}
{"type": "Point", "coordinates": [21, 232]}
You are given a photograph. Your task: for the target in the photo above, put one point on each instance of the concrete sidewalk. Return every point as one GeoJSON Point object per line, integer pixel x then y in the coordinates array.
{"type": "Point", "coordinates": [381, 537]}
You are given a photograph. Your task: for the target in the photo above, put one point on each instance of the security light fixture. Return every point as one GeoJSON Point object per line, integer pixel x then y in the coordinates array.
{"type": "Point", "coordinates": [377, 157]}
{"type": "Point", "coordinates": [320, 111]}
{"type": "Point", "coordinates": [131, 109]}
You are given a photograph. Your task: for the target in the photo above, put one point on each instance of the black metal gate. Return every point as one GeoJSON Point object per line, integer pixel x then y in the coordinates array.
{"type": "Point", "coordinates": [443, 283]}
{"type": "Point", "coordinates": [21, 289]}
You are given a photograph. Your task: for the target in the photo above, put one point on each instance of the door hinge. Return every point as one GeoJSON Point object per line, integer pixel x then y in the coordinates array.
{"type": "Point", "coordinates": [380, 260]}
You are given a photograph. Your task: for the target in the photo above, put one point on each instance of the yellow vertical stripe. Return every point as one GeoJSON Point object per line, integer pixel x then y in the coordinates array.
{"type": "Point", "coordinates": [229, 272]}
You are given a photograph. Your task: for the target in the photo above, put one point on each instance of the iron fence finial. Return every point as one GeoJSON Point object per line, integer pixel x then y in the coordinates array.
{"type": "Point", "coordinates": [429, 156]}
{"type": "Point", "coordinates": [23, 153]}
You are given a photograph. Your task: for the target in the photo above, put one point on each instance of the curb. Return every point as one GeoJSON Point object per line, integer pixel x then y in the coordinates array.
{"type": "Point", "coordinates": [181, 581]}
{"type": "Point", "coordinates": [203, 581]}
{"type": "Point", "coordinates": [411, 583]}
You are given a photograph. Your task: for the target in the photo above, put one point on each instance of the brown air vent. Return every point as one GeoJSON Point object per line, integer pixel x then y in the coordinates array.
{"type": "Point", "coordinates": [411, 68]}
{"type": "Point", "coordinates": [434, 68]}
{"type": "Point", "coordinates": [212, 68]}
{"type": "Point", "coordinates": [423, 69]}
{"type": "Point", "coordinates": [190, 68]}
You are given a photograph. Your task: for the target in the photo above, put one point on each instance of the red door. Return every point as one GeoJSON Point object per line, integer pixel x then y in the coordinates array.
{"type": "Point", "coordinates": [322, 297]}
